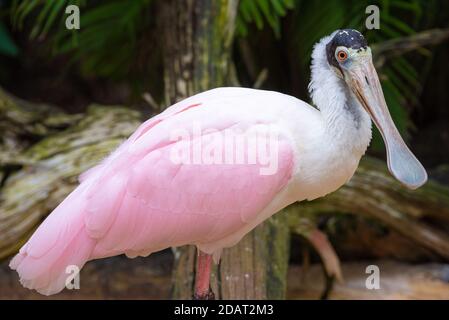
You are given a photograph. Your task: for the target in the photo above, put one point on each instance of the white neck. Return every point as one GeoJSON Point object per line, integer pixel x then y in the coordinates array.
{"type": "Point", "coordinates": [346, 122]}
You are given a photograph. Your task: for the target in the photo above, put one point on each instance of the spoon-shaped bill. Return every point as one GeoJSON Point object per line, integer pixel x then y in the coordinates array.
{"type": "Point", "coordinates": [403, 165]}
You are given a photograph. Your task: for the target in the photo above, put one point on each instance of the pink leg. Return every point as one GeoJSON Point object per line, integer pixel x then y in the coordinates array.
{"type": "Point", "coordinates": [202, 279]}
{"type": "Point", "coordinates": [327, 253]}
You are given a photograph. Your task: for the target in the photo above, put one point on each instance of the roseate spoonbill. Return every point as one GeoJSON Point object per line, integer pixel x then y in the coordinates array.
{"type": "Point", "coordinates": [139, 200]}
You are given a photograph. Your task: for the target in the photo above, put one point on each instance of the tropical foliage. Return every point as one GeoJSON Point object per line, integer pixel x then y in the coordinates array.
{"type": "Point", "coordinates": [105, 45]}
{"type": "Point", "coordinates": [261, 12]}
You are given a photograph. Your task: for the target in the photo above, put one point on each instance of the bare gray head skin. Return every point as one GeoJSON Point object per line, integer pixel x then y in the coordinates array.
{"type": "Point", "coordinates": [349, 55]}
{"type": "Point", "coordinates": [348, 38]}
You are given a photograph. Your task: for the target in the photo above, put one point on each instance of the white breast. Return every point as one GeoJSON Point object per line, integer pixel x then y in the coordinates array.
{"type": "Point", "coordinates": [323, 161]}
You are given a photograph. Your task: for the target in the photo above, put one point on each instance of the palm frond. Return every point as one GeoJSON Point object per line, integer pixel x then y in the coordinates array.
{"type": "Point", "coordinates": [260, 12]}
{"type": "Point", "coordinates": [7, 45]}
{"type": "Point", "coordinates": [106, 42]}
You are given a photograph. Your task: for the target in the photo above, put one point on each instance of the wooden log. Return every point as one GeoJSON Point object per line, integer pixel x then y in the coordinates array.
{"type": "Point", "coordinates": [373, 192]}
{"type": "Point", "coordinates": [51, 166]}
{"type": "Point", "coordinates": [22, 124]}
{"type": "Point", "coordinates": [399, 46]}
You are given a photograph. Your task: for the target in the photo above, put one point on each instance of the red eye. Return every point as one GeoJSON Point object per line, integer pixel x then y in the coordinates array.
{"type": "Point", "coordinates": [342, 55]}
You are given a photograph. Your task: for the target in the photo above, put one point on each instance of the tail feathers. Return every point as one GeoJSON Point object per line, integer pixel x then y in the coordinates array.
{"type": "Point", "coordinates": [60, 241]}
{"type": "Point", "coordinates": [48, 274]}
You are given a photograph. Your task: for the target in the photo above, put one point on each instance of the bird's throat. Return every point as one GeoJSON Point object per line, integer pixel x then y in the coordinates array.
{"type": "Point", "coordinates": [345, 120]}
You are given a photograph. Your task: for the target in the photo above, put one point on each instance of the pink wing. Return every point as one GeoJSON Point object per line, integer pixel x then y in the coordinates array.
{"type": "Point", "coordinates": [139, 200]}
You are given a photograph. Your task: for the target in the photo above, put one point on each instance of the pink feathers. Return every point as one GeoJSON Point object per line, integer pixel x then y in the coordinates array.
{"type": "Point", "coordinates": [139, 200]}
{"type": "Point", "coordinates": [59, 242]}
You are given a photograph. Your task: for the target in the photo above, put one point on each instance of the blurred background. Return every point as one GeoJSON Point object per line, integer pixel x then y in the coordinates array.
{"type": "Point", "coordinates": [69, 97]}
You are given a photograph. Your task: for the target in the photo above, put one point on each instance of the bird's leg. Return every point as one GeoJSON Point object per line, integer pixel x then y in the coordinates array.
{"type": "Point", "coordinates": [202, 278]}
{"type": "Point", "coordinates": [331, 263]}
{"type": "Point", "coordinates": [327, 253]}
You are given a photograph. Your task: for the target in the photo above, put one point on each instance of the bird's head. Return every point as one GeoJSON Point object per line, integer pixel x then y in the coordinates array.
{"type": "Point", "coordinates": [349, 56]}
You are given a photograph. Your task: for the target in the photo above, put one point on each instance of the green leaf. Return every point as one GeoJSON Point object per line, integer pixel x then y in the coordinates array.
{"type": "Point", "coordinates": [7, 45]}
{"type": "Point", "coordinates": [260, 12]}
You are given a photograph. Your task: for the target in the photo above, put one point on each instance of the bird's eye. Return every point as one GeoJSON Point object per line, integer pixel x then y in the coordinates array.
{"type": "Point", "coordinates": [342, 55]}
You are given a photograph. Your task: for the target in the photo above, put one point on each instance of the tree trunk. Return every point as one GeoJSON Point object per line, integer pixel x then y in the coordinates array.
{"type": "Point", "coordinates": [197, 39]}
